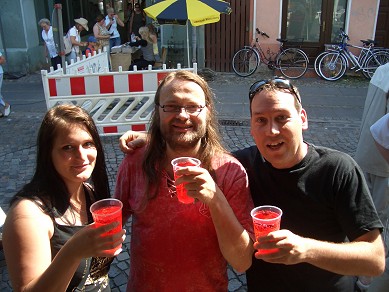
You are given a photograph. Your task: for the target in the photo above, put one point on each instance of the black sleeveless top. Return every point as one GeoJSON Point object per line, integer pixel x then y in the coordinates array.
{"type": "Point", "coordinates": [95, 267]}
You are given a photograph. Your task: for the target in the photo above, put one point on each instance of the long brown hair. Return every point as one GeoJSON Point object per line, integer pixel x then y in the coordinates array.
{"type": "Point", "coordinates": [47, 184]}
{"type": "Point", "coordinates": [155, 154]}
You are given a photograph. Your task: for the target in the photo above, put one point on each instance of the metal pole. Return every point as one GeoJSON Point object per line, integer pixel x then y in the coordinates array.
{"type": "Point", "coordinates": [58, 12]}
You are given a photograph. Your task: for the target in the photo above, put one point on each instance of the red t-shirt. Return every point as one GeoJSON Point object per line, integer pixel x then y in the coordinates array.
{"type": "Point", "coordinates": [174, 246]}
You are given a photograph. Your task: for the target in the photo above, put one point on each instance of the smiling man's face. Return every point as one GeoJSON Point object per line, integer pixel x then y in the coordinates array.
{"type": "Point", "coordinates": [181, 130]}
{"type": "Point", "coordinates": [277, 128]}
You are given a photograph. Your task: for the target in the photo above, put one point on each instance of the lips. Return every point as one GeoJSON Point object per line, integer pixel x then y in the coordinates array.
{"type": "Point", "coordinates": [275, 146]}
{"type": "Point", "coordinates": [182, 127]}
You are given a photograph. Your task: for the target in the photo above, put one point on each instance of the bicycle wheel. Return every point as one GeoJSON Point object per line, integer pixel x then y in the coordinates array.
{"type": "Point", "coordinates": [293, 63]}
{"type": "Point", "coordinates": [317, 60]}
{"type": "Point", "coordinates": [245, 62]}
{"type": "Point", "coordinates": [377, 59]}
{"type": "Point", "coordinates": [332, 66]}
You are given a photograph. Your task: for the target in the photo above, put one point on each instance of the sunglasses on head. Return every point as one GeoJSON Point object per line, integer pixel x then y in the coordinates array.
{"type": "Point", "coordinates": [278, 82]}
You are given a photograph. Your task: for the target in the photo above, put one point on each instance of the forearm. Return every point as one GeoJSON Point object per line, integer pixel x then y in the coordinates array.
{"type": "Point", "coordinates": [351, 258]}
{"type": "Point", "coordinates": [57, 276]}
{"type": "Point", "coordinates": [234, 241]}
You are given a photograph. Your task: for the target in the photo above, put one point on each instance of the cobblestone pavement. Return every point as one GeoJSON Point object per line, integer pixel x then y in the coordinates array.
{"type": "Point", "coordinates": [18, 134]}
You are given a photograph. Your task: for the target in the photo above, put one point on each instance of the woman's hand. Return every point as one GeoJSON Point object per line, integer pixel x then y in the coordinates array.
{"type": "Point", "coordinates": [92, 241]}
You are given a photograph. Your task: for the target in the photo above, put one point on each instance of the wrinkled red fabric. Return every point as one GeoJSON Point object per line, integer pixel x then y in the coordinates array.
{"type": "Point", "coordinates": [174, 246]}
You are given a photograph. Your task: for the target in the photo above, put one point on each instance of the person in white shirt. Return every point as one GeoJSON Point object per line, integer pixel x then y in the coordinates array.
{"type": "Point", "coordinates": [75, 38]}
{"type": "Point", "coordinates": [111, 22]}
{"type": "Point", "coordinates": [50, 48]}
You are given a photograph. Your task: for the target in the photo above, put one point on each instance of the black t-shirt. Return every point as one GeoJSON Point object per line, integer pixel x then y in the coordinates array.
{"type": "Point", "coordinates": [324, 197]}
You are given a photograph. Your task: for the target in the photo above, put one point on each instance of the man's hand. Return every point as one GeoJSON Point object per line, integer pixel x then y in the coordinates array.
{"type": "Point", "coordinates": [132, 140]}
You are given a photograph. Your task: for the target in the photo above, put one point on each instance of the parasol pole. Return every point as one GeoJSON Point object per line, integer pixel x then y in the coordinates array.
{"type": "Point", "coordinates": [187, 42]}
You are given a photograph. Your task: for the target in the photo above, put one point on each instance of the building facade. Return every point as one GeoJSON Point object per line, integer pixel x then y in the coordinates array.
{"type": "Point", "coordinates": [315, 22]}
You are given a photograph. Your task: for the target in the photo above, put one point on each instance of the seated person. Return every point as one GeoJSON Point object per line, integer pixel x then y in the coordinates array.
{"type": "Point", "coordinates": [149, 48]}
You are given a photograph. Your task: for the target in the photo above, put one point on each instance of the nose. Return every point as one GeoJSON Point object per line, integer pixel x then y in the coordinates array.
{"type": "Point", "coordinates": [182, 114]}
{"type": "Point", "coordinates": [273, 128]}
{"type": "Point", "coordinates": [81, 153]}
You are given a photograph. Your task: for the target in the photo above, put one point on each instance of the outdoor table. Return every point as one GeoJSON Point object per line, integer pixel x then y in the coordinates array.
{"type": "Point", "coordinates": [122, 56]}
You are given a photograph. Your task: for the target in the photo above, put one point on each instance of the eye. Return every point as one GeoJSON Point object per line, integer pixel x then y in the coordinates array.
{"type": "Point", "coordinates": [192, 108]}
{"type": "Point", "coordinates": [260, 120]}
{"type": "Point", "coordinates": [67, 147]}
{"type": "Point", "coordinates": [89, 145]}
{"type": "Point", "coordinates": [282, 118]}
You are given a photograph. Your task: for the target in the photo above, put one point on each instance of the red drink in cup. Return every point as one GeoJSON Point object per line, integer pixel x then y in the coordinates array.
{"type": "Point", "coordinates": [180, 189]}
{"type": "Point", "coordinates": [266, 219]}
{"type": "Point", "coordinates": [105, 212]}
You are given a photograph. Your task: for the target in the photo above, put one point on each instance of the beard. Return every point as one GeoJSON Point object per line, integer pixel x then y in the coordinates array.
{"type": "Point", "coordinates": [182, 142]}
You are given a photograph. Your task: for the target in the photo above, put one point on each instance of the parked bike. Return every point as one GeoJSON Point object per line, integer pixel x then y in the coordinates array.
{"type": "Point", "coordinates": [292, 62]}
{"type": "Point", "coordinates": [333, 63]}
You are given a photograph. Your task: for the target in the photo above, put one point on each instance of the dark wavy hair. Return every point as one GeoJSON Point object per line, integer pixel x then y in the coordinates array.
{"type": "Point", "coordinates": [156, 148]}
{"type": "Point", "coordinates": [46, 184]}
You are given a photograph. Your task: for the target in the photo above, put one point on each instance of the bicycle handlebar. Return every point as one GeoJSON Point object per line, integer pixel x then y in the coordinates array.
{"type": "Point", "coordinates": [262, 33]}
{"type": "Point", "coordinates": [343, 35]}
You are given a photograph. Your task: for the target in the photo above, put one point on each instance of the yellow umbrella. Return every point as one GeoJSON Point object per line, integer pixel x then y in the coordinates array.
{"type": "Point", "coordinates": [198, 12]}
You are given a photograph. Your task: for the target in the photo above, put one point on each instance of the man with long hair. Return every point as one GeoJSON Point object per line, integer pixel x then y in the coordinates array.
{"type": "Point", "coordinates": [176, 246]}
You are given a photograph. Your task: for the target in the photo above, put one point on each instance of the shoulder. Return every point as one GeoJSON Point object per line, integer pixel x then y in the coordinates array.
{"type": "Point", "coordinates": [331, 155]}
{"type": "Point", "coordinates": [226, 164]}
{"type": "Point", "coordinates": [247, 155]}
{"type": "Point", "coordinates": [28, 213]}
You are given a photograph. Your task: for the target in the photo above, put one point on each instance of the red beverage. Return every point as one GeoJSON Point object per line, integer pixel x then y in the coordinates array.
{"type": "Point", "coordinates": [180, 189]}
{"type": "Point", "coordinates": [266, 219]}
{"type": "Point", "coordinates": [105, 212]}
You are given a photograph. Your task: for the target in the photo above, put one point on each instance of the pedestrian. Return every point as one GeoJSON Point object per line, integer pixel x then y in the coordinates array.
{"type": "Point", "coordinates": [380, 133]}
{"type": "Point", "coordinates": [128, 14]}
{"type": "Point", "coordinates": [374, 166]}
{"type": "Point", "coordinates": [101, 33]}
{"type": "Point", "coordinates": [5, 108]}
{"type": "Point", "coordinates": [49, 238]}
{"type": "Point", "coordinates": [111, 22]}
{"type": "Point", "coordinates": [176, 246]}
{"type": "Point", "coordinates": [149, 47]}
{"type": "Point", "coordinates": [330, 230]}
{"type": "Point", "coordinates": [50, 47]}
{"type": "Point", "coordinates": [75, 38]}
{"type": "Point", "coordinates": [137, 20]}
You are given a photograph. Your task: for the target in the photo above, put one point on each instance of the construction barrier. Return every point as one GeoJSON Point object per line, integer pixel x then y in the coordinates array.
{"type": "Point", "coordinates": [96, 63]}
{"type": "Point", "coordinates": [117, 101]}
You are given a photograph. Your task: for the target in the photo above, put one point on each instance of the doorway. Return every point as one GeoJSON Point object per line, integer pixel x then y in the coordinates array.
{"type": "Point", "coordinates": [312, 23]}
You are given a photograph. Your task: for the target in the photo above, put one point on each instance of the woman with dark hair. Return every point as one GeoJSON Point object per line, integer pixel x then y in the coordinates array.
{"type": "Point", "coordinates": [50, 241]}
{"type": "Point", "coordinates": [101, 33]}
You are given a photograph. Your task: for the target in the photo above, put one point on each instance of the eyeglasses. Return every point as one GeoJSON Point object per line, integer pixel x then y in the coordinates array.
{"type": "Point", "coordinates": [189, 109]}
{"type": "Point", "coordinates": [278, 82]}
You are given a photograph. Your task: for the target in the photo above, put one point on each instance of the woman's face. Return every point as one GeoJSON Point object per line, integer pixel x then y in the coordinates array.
{"type": "Point", "coordinates": [74, 154]}
{"type": "Point", "coordinates": [79, 27]}
{"type": "Point", "coordinates": [45, 26]}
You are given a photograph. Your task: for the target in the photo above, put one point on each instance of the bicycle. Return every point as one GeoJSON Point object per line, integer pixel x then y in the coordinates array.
{"type": "Point", "coordinates": [292, 62]}
{"type": "Point", "coordinates": [332, 64]}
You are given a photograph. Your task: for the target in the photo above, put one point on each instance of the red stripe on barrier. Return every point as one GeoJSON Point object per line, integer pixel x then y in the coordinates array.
{"type": "Point", "coordinates": [52, 87]}
{"type": "Point", "coordinates": [138, 127]}
{"type": "Point", "coordinates": [77, 85]}
{"type": "Point", "coordinates": [161, 76]}
{"type": "Point", "coordinates": [110, 129]}
{"type": "Point", "coordinates": [135, 82]}
{"type": "Point", "coordinates": [106, 84]}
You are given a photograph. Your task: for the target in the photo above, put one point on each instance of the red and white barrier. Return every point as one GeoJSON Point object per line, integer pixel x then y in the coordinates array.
{"type": "Point", "coordinates": [117, 101]}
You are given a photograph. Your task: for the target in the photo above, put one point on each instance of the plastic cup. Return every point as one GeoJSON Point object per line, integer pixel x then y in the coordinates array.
{"type": "Point", "coordinates": [178, 163]}
{"type": "Point", "coordinates": [105, 212]}
{"type": "Point", "coordinates": [266, 219]}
